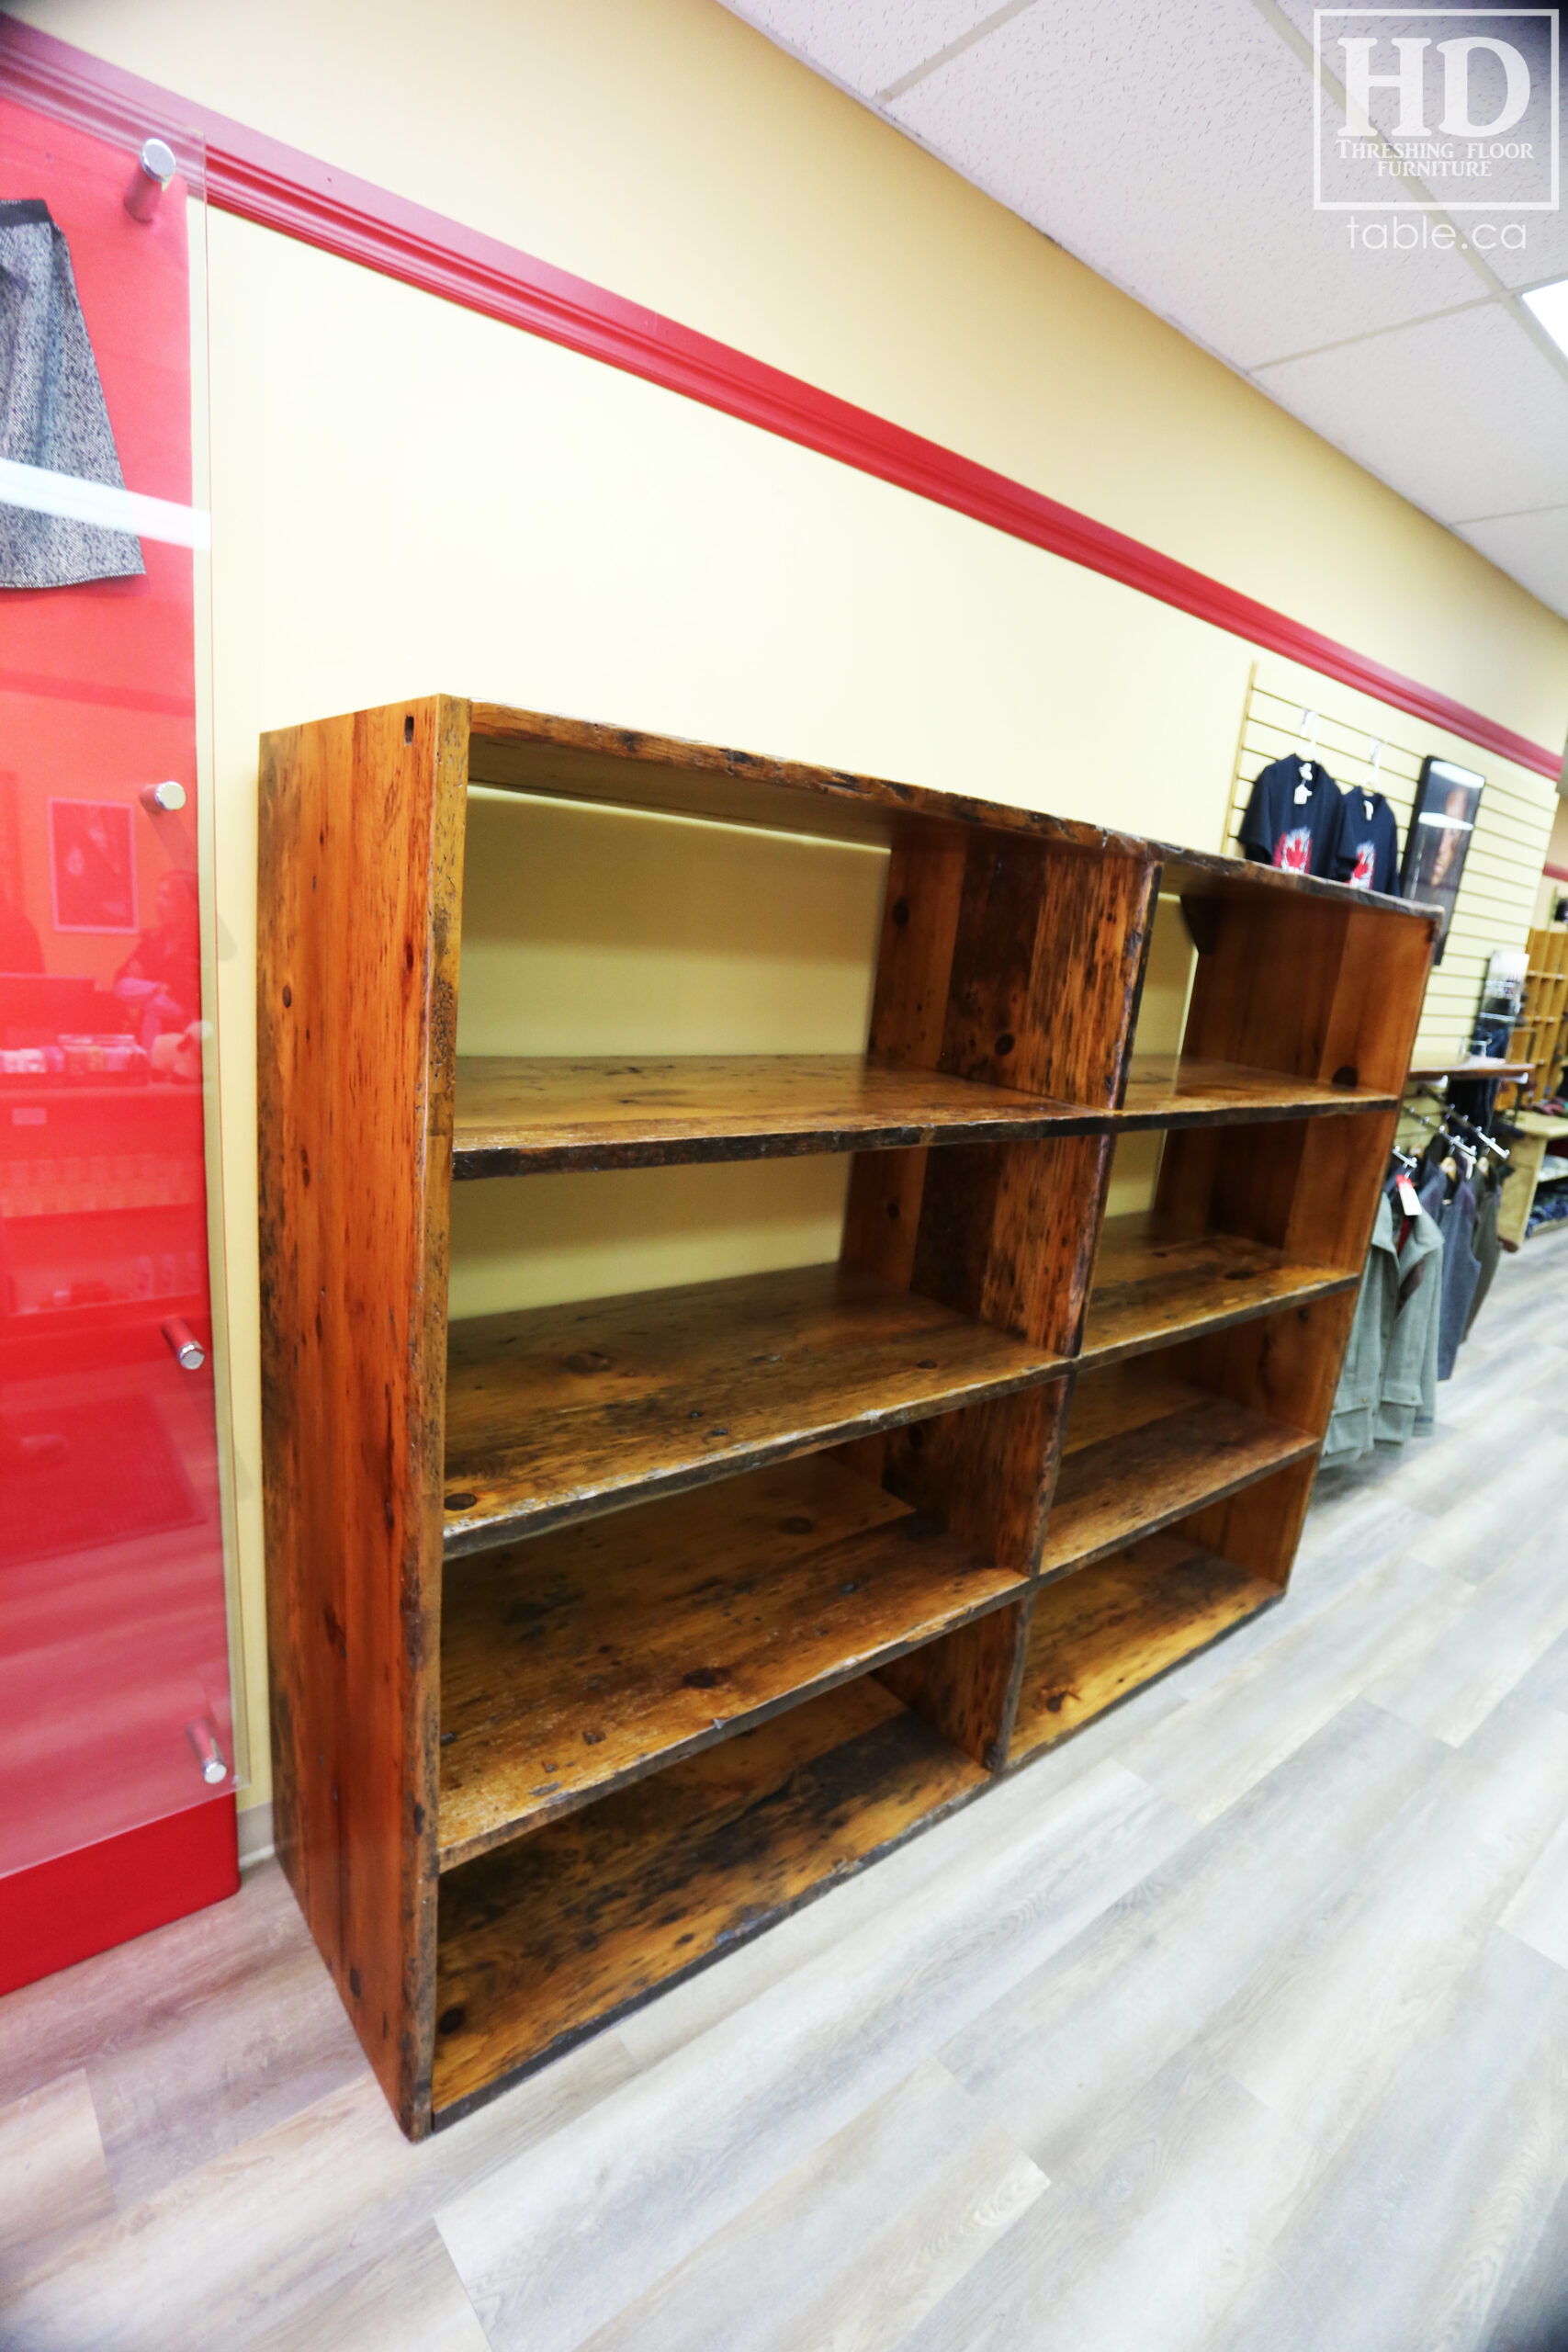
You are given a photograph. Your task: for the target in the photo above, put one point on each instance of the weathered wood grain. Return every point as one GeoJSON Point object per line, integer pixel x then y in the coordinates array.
{"type": "Point", "coordinates": [578, 1660]}
{"type": "Point", "coordinates": [1152, 1286]}
{"type": "Point", "coordinates": [1331, 996]}
{"type": "Point", "coordinates": [1105, 1631]}
{"type": "Point", "coordinates": [1142, 1451]}
{"type": "Point", "coordinates": [966, 1685]}
{"type": "Point", "coordinates": [360, 887]}
{"type": "Point", "coordinates": [1285, 1365]}
{"type": "Point", "coordinates": [660, 1877]}
{"type": "Point", "coordinates": [560, 1411]}
{"type": "Point", "coordinates": [520, 1116]}
{"type": "Point", "coordinates": [1189, 1090]}
{"type": "Point", "coordinates": [526, 751]}
{"type": "Point", "coordinates": [1308, 1187]}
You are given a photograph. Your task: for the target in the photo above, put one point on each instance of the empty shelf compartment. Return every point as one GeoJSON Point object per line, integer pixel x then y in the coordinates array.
{"type": "Point", "coordinates": [557, 1412]}
{"type": "Point", "coordinates": [550, 1938]}
{"type": "Point", "coordinates": [577, 1660]}
{"type": "Point", "coordinates": [1143, 1448]}
{"type": "Point", "coordinates": [1100, 1634]}
{"type": "Point", "coordinates": [1152, 1286]}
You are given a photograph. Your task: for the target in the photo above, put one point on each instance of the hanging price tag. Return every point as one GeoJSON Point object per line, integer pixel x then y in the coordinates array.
{"type": "Point", "coordinates": [1407, 1200]}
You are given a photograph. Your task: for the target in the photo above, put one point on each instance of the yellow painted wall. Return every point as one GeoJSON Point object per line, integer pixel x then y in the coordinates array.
{"type": "Point", "coordinates": [665, 150]}
{"type": "Point", "coordinates": [1551, 888]}
{"type": "Point", "coordinates": [408, 497]}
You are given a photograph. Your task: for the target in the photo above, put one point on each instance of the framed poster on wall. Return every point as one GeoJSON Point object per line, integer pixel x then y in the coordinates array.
{"type": "Point", "coordinates": [92, 865]}
{"type": "Point", "coordinates": [1437, 842]}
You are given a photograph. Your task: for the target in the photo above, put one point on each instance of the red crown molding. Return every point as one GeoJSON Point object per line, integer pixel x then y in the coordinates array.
{"type": "Point", "coordinates": [280, 188]}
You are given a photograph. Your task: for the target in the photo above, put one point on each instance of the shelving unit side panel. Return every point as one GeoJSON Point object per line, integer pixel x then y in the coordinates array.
{"type": "Point", "coordinates": [1308, 1187]}
{"type": "Point", "coordinates": [1285, 1366]}
{"type": "Point", "coordinates": [984, 1473]}
{"type": "Point", "coordinates": [966, 1685]}
{"type": "Point", "coordinates": [360, 880]}
{"type": "Point", "coordinates": [1259, 1530]}
{"type": "Point", "coordinates": [1378, 997]}
{"type": "Point", "coordinates": [1264, 990]}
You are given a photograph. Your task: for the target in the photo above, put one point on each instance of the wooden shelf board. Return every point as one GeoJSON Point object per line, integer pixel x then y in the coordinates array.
{"type": "Point", "coordinates": [1476, 1066]}
{"type": "Point", "coordinates": [1099, 1636]}
{"type": "Point", "coordinates": [518, 1116]}
{"type": "Point", "coordinates": [556, 1935]}
{"type": "Point", "coordinates": [559, 1412]}
{"type": "Point", "coordinates": [580, 1660]}
{"type": "Point", "coordinates": [1181, 1090]}
{"type": "Point", "coordinates": [1144, 1447]}
{"type": "Point", "coordinates": [1151, 1288]}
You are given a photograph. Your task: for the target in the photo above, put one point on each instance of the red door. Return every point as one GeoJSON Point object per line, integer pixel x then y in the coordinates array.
{"type": "Point", "coordinates": [116, 1748]}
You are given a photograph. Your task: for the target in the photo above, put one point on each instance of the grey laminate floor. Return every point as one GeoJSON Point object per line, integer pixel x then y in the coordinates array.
{"type": "Point", "coordinates": [1242, 2022]}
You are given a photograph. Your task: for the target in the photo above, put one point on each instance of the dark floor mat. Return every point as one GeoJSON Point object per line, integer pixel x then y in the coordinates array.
{"type": "Point", "coordinates": [74, 1476]}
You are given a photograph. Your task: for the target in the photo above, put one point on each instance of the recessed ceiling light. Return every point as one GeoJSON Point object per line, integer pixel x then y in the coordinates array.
{"type": "Point", "coordinates": [1550, 304]}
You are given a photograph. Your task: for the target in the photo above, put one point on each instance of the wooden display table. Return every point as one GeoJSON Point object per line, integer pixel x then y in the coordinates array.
{"type": "Point", "coordinates": [1539, 1131]}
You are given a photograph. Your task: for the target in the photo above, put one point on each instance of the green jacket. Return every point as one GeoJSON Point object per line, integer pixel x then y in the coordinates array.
{"type": "Point", "coordinates": [1389, 1386]}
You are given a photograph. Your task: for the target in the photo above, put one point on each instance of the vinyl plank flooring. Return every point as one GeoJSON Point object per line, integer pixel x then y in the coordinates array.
{"type": "Point", "coordinates": [1177, 2190]}
{"type": "Point", "coordinates": [1319, 2029]}
{"type": "Point", "coordinates": [53, 2179]}
{"type": "Point", "coordinates": [120, 1998]}
{"type": "Point", "coordinates": [1451, 2177]}
{"type": "Point", "coordinates": [854, 2245]}
{"type": "Point", "coordinates": [408, 2300]}
{"type": "Point", "coordinates": [202, 2075]}
{"type": "Point", "coordinates": [1451, 1684]}
{"type": "Point", "coordinates": [1538, 1915]}
{"type": "Point", "coordinates": [1159, 1964]}
{"type": "Point", "coordinates": [924, 1868]}
{"type": "Point", "coordinates": [1263, 1976]}
{"type": "Point", "coordinates": [1546, 1682]}
{"type": "Point", "coordinates": [1245, 1724]}
{"type": "Point", "coordinates": [265, 2231]}
{"type": "Point", "coordinates": [1528, 1490]}
{"type": "Point", "coordinates": [1364, 1548]}
{"type": "Point", "coordinates": [678, 2153]}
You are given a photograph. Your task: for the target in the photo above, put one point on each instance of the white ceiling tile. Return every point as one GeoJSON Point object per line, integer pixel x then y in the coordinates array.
{"type": "Point", "coordinates": [1545, 255]}
{"type": "Point", "coordinates": [1532, 548]}
{"type": "Point", "coordinates": [1545, 252]}
{"type": "Point", "coordinates": [1464, 415]}
{"type": "Point", "coordinates": [871, 43]}
{"type": "Point", "coordinates": [1168, 150]}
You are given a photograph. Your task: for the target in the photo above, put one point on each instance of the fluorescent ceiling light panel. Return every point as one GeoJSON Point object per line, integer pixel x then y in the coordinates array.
{"type": "Point", "coordinates": [1550, 304]}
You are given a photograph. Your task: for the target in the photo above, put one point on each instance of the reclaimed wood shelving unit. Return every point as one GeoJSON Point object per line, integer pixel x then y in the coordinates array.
{"type": "Point", "coordinates": [603, 1635]}
{"type": "Point", "coordinates": [1541, 1038]}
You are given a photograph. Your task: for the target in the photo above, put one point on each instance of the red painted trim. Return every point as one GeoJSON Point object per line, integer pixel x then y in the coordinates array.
{"type": "Point", "coordinates": [281, 189]}
{"type": "Point", "coordinates": [62, 1911]}
{"type": "Point", "coordinates": [1558, 872]}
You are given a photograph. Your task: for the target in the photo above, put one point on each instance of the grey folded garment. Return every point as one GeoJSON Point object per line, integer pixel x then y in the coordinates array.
{"type": "Point", "coordinates": [52, 409]}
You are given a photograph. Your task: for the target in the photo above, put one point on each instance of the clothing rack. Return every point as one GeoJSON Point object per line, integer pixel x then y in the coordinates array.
{"type": "Point", "coordinates": [1488, 1143]}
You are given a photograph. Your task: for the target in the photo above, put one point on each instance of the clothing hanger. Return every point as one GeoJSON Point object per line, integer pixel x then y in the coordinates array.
{"type": "Point", "coordinates": [1308, 735]}
{"type": "Point", "coordinates": [1374, 769]}
{"type": "Point", "coordinates": [1489, 1143]}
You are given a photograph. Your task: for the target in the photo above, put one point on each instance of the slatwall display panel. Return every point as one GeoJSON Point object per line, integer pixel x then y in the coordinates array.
{"type": "Point", "coordinates": [1496, 896]}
